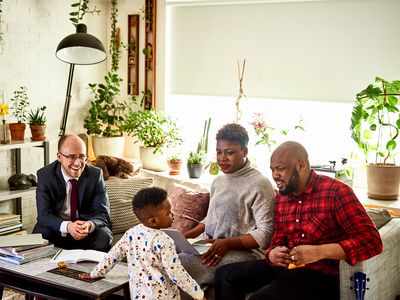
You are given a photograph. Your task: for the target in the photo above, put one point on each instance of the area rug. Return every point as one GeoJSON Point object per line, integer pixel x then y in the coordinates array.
{"type": "Point", "coordinates": [12, 295]}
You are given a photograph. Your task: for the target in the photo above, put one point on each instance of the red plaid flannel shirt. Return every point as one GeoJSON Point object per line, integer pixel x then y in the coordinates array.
{"type": "Point", "coordinates": [327, 211]}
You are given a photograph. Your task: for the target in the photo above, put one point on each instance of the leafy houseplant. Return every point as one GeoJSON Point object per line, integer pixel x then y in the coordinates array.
{"type": "Point", "coordinates": [153, 129]}
{"type": "Point", "coordinates": [375, 120]}
{"type": "Point", "coordinates": [106, 114]}
{"type": "Point", "coordinates": [20, 104]}
{"type": "Point", "coordinates": [375, 124]}
{"type": "Point", "coordinates": [174, 161]}
{"type": "Point", "coordinates": [37, 123]}
{"type": "Point", "coordinates": [19, 109]}
{"type": "Point", "coordinates": [195, 163]}
{"type": "Point", "coordinates": [37, 117]}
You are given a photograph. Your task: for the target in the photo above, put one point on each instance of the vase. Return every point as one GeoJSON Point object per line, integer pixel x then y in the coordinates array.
{"type": "Point", "coordinates": [152, 161]}
{"type": "Point", "coordinates": [195, 170]}
{"type": "Point", "coordinates": [4, 139]}
{"type": "Point", "coordinates": [111, 146]}
{"type": "Point", "coordinates": [174, 167]}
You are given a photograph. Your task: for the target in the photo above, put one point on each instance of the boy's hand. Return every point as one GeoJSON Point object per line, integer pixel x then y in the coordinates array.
{"type": "Point", "coordinates": [84, 276]}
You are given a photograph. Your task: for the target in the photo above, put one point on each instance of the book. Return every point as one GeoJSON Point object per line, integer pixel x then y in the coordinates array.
{"type": "Point", "coordinates": [77, 255]}
{"type": "Point", "coordinates": [19, 258]}
{"type": "Point", "coordinates": [22, 240]}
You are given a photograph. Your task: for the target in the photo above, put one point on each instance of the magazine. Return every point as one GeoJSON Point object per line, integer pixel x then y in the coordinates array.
{"type": "Point", "coordinates": [77, 255]}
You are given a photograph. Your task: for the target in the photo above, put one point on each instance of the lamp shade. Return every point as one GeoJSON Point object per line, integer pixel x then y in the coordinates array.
{"type": "Point", "coordinates": [81, 48]}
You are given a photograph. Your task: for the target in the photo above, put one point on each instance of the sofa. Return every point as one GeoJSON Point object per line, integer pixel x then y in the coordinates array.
{"type": "Point", "coordinates": [190, 198]}
{"type": "Point", "coordinates": [382, 272]}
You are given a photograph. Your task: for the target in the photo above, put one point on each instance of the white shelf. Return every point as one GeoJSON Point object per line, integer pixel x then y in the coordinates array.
{"type": "Point", "coordinates": [7, 194]}
{"type": "Point", "coordinates": [21, 144]}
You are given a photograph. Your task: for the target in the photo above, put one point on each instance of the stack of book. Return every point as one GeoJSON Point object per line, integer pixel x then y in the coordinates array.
{"type": "Point", "coordinates": [20, 249]}
{"type": "Point", "coordinates": [9, 223]}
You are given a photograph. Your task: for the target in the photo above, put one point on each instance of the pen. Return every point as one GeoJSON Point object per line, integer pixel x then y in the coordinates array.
{"type": "Point", "coordinates": [58, 253]}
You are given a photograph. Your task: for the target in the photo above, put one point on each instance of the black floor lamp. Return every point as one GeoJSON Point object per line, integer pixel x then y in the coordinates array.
{"type": "Point", "coordinates": [79, 48]}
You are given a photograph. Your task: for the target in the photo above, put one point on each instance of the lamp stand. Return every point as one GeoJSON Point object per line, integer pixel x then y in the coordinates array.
{"type": "Point", "coordinates": [64, 118]}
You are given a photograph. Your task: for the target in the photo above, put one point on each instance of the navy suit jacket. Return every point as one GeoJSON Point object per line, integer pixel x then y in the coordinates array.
{"type": "Point", "coordinates": [93, 203]}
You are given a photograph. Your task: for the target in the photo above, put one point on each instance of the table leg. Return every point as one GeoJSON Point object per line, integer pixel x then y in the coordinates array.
{"type": "Point", "coordinates": [126, 292]}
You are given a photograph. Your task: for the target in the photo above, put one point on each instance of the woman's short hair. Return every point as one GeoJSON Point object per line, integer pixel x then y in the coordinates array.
{"type": "Point", "coordinates": [235, 133]}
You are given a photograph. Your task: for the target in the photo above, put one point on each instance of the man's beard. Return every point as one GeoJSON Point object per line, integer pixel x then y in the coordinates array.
{"type": "Point", "coordinates": [292, 184]}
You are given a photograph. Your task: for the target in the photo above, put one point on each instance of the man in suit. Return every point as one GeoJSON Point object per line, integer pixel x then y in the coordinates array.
{"type": "Point", "coordinates": [72, 204]}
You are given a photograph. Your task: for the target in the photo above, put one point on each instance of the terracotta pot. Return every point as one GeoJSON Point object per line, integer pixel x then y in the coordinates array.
{"type": "Point", "coordinates": [174, 167]}
{"type": "Point", "coordinates": [17, 131]}
{"type": "Point", "coordinates": [383, 181]}
{"type": "Point", "coordinates": [37, 132]}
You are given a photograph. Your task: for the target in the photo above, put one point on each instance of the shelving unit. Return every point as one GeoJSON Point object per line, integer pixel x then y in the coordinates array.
{"type": "Point", "coordinates": [16, 148]}
{"type": "Point", "coordinates": [133, 55]}
{"type": "Point", "coordinates": [150, 54]}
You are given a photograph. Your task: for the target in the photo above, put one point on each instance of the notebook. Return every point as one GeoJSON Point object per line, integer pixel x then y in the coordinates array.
{"type": "Point", "coordinates": [191, 246]}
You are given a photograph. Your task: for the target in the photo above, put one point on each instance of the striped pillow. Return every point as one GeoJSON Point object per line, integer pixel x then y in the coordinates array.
{"type": "Point", "coordinates": [120, 193]}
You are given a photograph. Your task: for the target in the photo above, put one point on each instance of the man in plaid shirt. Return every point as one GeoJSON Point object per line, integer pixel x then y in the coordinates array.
{"type": "Point", "coordinates": [318, 221]}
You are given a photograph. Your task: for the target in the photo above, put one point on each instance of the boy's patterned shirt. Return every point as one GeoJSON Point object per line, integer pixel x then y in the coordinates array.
{"type": "Point", "coordinates": [155, 271]}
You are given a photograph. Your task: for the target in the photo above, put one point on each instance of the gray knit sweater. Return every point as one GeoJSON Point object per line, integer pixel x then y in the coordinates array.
{"type": "Point", "coordinates": [241, 203]}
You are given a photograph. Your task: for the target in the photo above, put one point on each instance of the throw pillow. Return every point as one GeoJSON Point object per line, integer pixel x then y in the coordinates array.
{"type": "Point", "coordinates": [120, 193]}
{"type": "Point", "coordinates": [379, 216]}
{"type": "Point", "coordinates": [189, 206]}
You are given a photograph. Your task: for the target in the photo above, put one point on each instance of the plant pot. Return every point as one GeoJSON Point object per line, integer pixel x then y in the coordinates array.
{"type": "Point", "coordinates": [17, 131]}
{"type": "Point", "coordinates": [111, 146]}
{"type": "Point", "coordinates": [174, 167]}
{"type": "Point", "coordinates": [38, 132]}
{"type": "Point", "coordinates": [150, 161]}
{"type": "Point", "coordinates": [195, 170]}
{"type": "Point", "coordinates": [383, 181]}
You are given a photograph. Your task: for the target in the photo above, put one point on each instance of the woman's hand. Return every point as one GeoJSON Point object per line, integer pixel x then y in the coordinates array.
{"type": "Point", "coordinates": [217, 250]}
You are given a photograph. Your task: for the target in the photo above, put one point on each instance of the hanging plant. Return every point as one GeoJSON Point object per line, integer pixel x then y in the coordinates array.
{"type": "Point", "coordinates": [80, 9]}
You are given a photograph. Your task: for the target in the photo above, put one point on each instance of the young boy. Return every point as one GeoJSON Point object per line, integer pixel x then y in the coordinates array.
{"type": "Point", "coordinates": [155, 271]}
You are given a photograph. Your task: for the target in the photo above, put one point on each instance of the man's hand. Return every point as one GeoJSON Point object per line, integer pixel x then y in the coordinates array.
{"type": "Point", "coordinates": [78, 229]}
{"type": "Point", "coordinates": [215, 253]}
{"type": "Point", "coordinates": [306, 254]}
{"type": "Point", "coordinates": [279, 256]}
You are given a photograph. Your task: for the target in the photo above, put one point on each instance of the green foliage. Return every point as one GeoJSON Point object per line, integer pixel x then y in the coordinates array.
{"type": "Point", "coordinates": [115, 44]}
{"type": "Point", "coordinates": [79, 10]}
{"type": "Point", "coordinates": [174, 156]}
{"type": "Point", "coordinates": [152, 128]}
{"type": "Point", "coordinates": [106, 114]}
{"type": "Point", "coordinates": [202, 146]}
{"type": "Point", "coordinates": [267, 134]}
{"type": "Point", "coordinates": [37, 117]}
{"type": "Point", "coordinates": [20, 104]}
{"type": "Point", "coordinates": [196, 158]}
{"type": "Point", "coordinates": [375, 120]}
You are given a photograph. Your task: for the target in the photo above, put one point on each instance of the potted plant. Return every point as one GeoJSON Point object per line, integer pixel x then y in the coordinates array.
{"type": "Point", "coordinates": [174, 162]}
{"type": "Point", "coordinates": [19, 109]}
{"type": "Point", "coordinates": [375, 124]}
{"type": "Point", "coordinates": [154, 131]}
{"type": "Point", "coordinates": [195, 164]}
{"type": "Point", "coordinates": [37, 123]}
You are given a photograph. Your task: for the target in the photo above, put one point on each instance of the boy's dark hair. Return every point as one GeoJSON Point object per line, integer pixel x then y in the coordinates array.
{"type": "Point", "coordinates": [146, 197]}
{"type": "Point", "coordinates": [235, 133]}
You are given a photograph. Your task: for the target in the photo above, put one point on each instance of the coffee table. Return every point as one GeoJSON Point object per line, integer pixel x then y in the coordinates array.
{"type": "Point", "coordinates": [33, 279]}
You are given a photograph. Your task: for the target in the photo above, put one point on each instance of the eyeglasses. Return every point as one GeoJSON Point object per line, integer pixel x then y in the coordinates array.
{"type": "Point", "coordinates": [72, 158]}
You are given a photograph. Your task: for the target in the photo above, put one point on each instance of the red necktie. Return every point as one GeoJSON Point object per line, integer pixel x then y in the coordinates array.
{"type": "Point", "coordinates": [73, 198]}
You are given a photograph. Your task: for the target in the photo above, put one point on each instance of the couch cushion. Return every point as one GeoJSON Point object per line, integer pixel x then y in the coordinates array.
{"type": "Point", "coordinates": [120, 193]}
{"type": "Point", "coordinates": [189, 206]}
{"type": "Point", "coordinates": [379, 216]}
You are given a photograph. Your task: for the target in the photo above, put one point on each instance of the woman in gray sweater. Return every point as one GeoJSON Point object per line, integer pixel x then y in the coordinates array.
{"type": "Point", "coordinates": [240, 217]}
